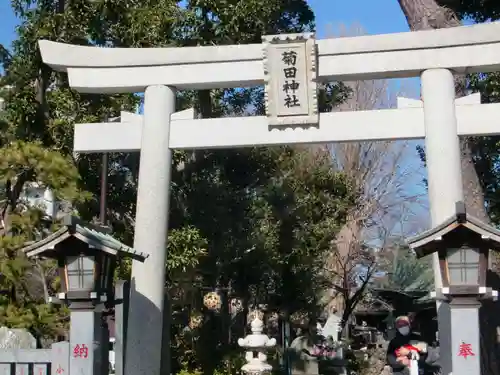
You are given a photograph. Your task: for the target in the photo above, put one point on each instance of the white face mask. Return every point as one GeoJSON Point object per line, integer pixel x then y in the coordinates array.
{"type": "Point", "coordinates": [404, 330]}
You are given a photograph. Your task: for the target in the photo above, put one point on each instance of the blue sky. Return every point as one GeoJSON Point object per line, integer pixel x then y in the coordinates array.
{"type": "Point", "coordinates": [374, 16]}
{"type": "Point", "coordinates": [7, 23]}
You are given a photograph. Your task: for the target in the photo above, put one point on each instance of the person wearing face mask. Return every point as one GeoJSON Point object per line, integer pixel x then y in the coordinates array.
{"type": "Point", "coordinates": [408, 354]}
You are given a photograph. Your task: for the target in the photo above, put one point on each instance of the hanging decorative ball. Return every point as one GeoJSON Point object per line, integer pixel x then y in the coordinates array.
{"type": "Point", "coordinates": [235, 306]}
{"type": "Point", "coordinates": [299, 318]}
{"type": "Point", "coordinates": [273, 320]}
{"type": "Point", "coordinates": [212, 301]}
{"type": "Point", "coordinates": [195, 320]}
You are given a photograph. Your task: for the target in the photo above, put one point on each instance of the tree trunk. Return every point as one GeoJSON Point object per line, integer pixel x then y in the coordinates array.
{"type": "Point", "coordinates": [428, 14]}
{"type": "Point", "coordinates": [338, 261]}
{"type": "Point", "coordinates": [424, 15]}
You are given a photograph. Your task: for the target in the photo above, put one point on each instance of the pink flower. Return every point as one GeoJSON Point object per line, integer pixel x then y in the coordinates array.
{"type": "Point", "coordinates": [316, 351]}
{"type": "Point", "coordinates": [331, 354]}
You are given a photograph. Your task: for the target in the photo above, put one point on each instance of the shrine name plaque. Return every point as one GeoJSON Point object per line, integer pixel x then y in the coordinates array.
{"type": "Point", "coordinates": [290, 73]}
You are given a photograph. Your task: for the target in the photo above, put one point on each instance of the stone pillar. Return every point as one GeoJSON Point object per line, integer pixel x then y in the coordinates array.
{"type": "Point", "coordinates": [145, 320]}
{"type": "Point", "coordinates": [60, 353]}
{"type": "Point", "coordinates": [122, 293]}
{"type": "Point", "coordinates": [442, 151]}
{"type": "Point", "coordinates": [465, 344]}
{"type": "Point", "coordinates": [86, 343]}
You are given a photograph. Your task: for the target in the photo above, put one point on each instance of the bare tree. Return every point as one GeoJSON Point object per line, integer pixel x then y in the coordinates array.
{"type": "Point", "coordinates": [384, 176]}
{"type": "Point", "coordinates": [429, 14]}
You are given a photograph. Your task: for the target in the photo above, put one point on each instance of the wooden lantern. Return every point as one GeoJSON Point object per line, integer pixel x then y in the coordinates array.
{"type": "Point", "coordinates": [86, 255]}
{"type": "Point", "coordinates": [462, 243]}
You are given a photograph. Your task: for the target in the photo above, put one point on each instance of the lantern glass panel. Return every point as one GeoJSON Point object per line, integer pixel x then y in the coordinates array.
{"type": "Point", "coordinates": [80, 271]}
{"type": "Point", "coordinates": [463, 266]}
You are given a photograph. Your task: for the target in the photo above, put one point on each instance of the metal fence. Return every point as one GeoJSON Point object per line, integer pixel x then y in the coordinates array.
{"type": "Point", "coordinates": [55, 361]}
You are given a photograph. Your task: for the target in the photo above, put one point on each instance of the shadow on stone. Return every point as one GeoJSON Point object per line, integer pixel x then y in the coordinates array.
{"type": "Point", "coordinates": [144, 332]}
{"type": "Point", "coordinates": [489, 321]}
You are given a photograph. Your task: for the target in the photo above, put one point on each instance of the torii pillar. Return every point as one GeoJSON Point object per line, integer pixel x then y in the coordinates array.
{"type": "Point", "coordinates": [149, 134]}
{"type": "Point", "coordinates": [442, 152]}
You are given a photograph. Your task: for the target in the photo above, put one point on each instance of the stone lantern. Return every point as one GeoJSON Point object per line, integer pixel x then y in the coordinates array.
{"type": "Point", "coordinates": [462, 244]}
{"type": "Point", "coordinates": [86, 256]}
{"type": "Point", "coordinates": [256, 344]}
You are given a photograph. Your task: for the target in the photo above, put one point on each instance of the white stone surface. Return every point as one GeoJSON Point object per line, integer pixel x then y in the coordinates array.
{"type": "Point", "coordinates": [332, 327]}
{"type": "Point", "coordinates": [145, 321]}
{"type": "Point", "coordinates": [416, 103]}
{"type": "Point", "coordinates": [473, 120]}
{"type": "Point", "coordinates": [256, 342]}
{"type": "Point", "coordinates": [37, 195]}
{"type": "Point", "coordinates": [122, 136]}
{"type": "Point", "coordinates": [290, 73]}
{"type": "Point", "coordinates": [441, 146]}
{"type": "Point", "coordinates": [467, 48]}
{"type": "Point", "coordinates": [444, 174]}
{"type": "Point", "coordinates": [14, 338]}
{"type": "Point", "coordinates": [334, 127]}
{"type": "Point", "coordinates": [464, 330]}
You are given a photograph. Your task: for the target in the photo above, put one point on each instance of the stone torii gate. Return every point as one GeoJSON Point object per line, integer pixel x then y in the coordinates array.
{"type": "Point", "coordinates": [292, 119]}
{"type": "Point", "coordinates": [122, 135]}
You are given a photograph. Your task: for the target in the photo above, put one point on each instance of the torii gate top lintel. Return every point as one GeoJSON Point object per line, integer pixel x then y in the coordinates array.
{"type": "Point", "coordinates": [463, 49]}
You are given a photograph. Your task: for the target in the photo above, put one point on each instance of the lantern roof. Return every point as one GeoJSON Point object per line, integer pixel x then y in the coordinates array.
{"type": "Point", "coordinates": [97, 237]}
{"type": "Point", "coordinates": [427, 242]}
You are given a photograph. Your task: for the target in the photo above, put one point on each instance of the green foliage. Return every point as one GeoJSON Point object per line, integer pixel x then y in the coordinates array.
{"type": "Point", "coordinates": [478, 10]}
{"type": "Point", "coordinates": [189, 372]}
{"type": "Point", "coordinates": [23, 283]}
{"type": "Point", "coordinates": [486, 150]}
{"type": "Point", "coordinates": [185, 248]}
{"type": "Point", "coordinates": [258, 220]}
{"type": "Point", "coordinates": [36, 139]}
{"type": "Point", "coordinates": [298, 215]}
{"type": "Point", "coordinates": [228, 22]}
{"type": "Point", "coordinates": [22, 161]}
{"type": "Point", "coordinates": [42, 320]}
{"type": "Point", "coordinates": [402, 271]}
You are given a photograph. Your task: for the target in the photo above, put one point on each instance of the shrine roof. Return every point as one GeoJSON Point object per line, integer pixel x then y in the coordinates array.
{"type": "Point", "coordinates": [97, 237]}
{"type": "Point", "coordinates": [423, 243]}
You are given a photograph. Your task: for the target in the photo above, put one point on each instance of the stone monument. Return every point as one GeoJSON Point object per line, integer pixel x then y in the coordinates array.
{"type": "Point", "coordinates": [300, 353]}
{"type": "Point", "coordinates": [332, 327]}
{"type": "Point", "coordinates": [15, 338]}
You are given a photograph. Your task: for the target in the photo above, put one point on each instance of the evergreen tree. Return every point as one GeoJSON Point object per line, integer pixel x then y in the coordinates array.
{"type": "Point", "coordinates": [283, 204]}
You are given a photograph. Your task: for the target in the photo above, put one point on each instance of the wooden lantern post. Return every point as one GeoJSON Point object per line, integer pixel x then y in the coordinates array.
{"type": "Point", "coordinates": [462, 243]}
{"type": "Point", "coordinates": [87, 256]}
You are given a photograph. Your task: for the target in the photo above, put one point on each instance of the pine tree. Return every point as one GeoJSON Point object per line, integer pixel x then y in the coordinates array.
{"type": "Point", "coordinates": [215, 194]}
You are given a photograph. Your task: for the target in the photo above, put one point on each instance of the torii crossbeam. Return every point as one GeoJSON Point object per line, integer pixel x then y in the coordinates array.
{"type": "Point", "coordinates": [187, 132]}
